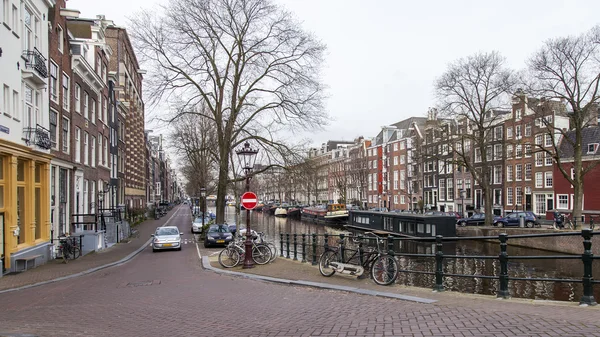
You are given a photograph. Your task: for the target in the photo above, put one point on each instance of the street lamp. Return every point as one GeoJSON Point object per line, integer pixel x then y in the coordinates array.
{"type": "Point", "coordinates": [203, 194]}
{"type": "Point", "coordinates": [462, 202]}
{"type": "Point", "coordinates": [247, 157]}
{"type": "Point", "coordinates": [101, 194]}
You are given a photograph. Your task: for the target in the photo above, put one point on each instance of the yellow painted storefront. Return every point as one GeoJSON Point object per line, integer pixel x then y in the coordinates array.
{"type": "Point", "coordinates": [24, 199]}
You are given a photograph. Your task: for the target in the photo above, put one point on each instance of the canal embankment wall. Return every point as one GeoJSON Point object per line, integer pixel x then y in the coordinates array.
{"type": "Point", "coordinates": [562, 244]}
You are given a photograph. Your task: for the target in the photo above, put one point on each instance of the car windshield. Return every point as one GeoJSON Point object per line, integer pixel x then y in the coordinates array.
{"type": "Point", "coordinates": [198, 220]}
{"type": "Point", "coordinates": [167, 231]}
{"type": "Point", "coordinates": [219, 229]}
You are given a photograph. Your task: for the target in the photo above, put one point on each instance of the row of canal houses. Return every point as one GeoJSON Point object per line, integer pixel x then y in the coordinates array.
{"type": "Point", "coordinates": [414, 164]}
{"type": "Point", "coordinates": [72, 137]}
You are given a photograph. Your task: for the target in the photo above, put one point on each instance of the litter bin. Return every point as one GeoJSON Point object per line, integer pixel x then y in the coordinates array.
{"type": "Point", "coordinates": [521, 221]}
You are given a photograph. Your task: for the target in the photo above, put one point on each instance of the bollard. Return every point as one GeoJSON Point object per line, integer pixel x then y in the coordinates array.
{"type": "Point", "coordinates": [574, 223]}
{"type": "Point", "coordinates": [591, 223]}
{"type": "Point", "coordinates": [287, 241]}
{"type": "Point", "coordinates": [295, 247]}
{"type": "Point", "coordinates": [503, 278]}
{"type": "Point", "coordinates": [342, 247]}
{"type": "Point", "coordinates": [587, 257]}
{"type": "Point", "coordinates": [303, 247]}
{"type": "Point", "coordinates": [439, 264]}
{"type": "Point", "coordinates": [314, 247]}
{"type": "Point", "coordinates": [281, 244]}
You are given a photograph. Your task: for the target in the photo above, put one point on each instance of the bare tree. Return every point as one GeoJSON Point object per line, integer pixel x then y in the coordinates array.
{"type": "Point", "coordinates": [568, 69]}
{"type": "Point", "coordinates": [358, 173]}
{"type": "Point", "coordinates": [247, 60]}
{"type": "Point", "coordinates": [469, 92]}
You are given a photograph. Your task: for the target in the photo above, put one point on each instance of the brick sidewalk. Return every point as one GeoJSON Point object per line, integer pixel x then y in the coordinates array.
{"type": "Point", "coordinates": [294, 270]}
{"type": "Point", "coordinates": [57, 268]}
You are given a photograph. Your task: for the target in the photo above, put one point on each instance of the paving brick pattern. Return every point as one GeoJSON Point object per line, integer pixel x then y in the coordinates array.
{"type": "Point", "coordinates": [169, 294]}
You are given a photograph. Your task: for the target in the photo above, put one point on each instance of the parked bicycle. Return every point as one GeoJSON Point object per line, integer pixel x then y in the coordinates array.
{"type": "Point", "coordinates": [235, 253]}
{"type": "Point", "coordinates": [69, 248]}
{"type": "Point", "coordinates": [562, 221]}
{"type": "Point", "coordinates": [383, 267]}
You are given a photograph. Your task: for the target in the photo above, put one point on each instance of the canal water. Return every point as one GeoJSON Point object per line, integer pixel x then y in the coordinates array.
{"type": "Point", "coordinates": [541, 290]}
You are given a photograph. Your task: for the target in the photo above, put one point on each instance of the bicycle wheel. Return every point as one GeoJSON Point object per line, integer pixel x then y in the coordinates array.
{"type": "Point", "coordinates": [273, 249]}
{"type": "Point", "coordinates": [326, 258]}
{"type": "Point", "coordinates": [384, 270]}
{"type": "Point", "coordinates": [261, 254]}
{"type": "Point", "coordinates": [230, 259]}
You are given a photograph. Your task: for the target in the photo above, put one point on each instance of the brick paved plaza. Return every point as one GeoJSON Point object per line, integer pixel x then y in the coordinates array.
{"type": "Point", "coordinates": [170, 294]}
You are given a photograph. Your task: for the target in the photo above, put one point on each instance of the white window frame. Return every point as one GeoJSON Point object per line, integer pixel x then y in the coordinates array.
{"type": "Point", "coordinates": [60, 37]}
{"type": "Point", "coordinates": [539, 180]}
{"type": "Point", "coordinates": [77, 98]}
{"type": "Point", "coordinates": [548, 140]}
{"type": "Point", "coordinates": [527, 168]}
{"type": "Point", "coordinates": [564, 204]}
{"type": "Point", "coordinates": [539, 159]}
{"type": "Point", "coordinates": [66, 122]}
{"type": "Point", "coordinates": [93, 111]}
{"type": "Point", "coordinates": [93, 151]}
{"type": "Point", "coordinates": [65, 87]}
{"type": "Point", "coordinates": [509, 132]}
{"type": "Point", "coordinates": [548, 177]}
{"type": "Point", "coordinates": [77, 145]}
{"type": "Point", "coordinates": [86, 148]}
{"type": "Point", "coordinates": [509, 196]}
{"type": "Point", "coordinates": [53, 82]}
{"type": "Point", "coordinates": [86, 105]}
{"type": "Point", "coordinates": [509, 172]}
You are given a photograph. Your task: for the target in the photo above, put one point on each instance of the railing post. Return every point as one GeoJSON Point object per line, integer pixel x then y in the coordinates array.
{"type": "Point", "coordinates": [303, 247]}
{"type": "Point", "coordinates": [587, 257]}
{"type": "Point", "coordinates": [342, 247]}
{"type": "Point", "coordinates": [439, 264]}
{"type": "Point", "coordinates": [80, 244]}
{"type": "Point", "coordinates": [281, 244]}
{"type": "Point", "coordinates": [390, 245]}
{"type": "Point", "coordinates": [314, 249]}
{"type": "Point", "coordinates": [295, 247]}
{"type": "Point", "coordinates": [287, 241]}
{"type": "Point", "coordinates": [361, 251]}
{"type": "Point", "coordinates": [326, 243]}
{"type": "Point", "coordinates": [503, 278]}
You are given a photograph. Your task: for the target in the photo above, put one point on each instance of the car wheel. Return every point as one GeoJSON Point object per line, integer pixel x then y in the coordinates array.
{"type": "Point", "coordinates": [179, 249]}
{"type": "Point", "coordinates": [463, 223]}
{"type": "Point", "coordinates": [529, 224]}
{"type": "Point", "coordinates": [206, 245]}
{"type": "Point", "coordinates": [153, 250]}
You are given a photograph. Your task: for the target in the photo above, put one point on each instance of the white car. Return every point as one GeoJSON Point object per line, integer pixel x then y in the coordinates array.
{"type": "Point", "coordinates": [167, 237]}
{"type": "Point", "coordinates": [197, 224]}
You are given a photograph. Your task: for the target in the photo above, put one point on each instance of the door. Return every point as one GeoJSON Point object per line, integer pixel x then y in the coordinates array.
{"type": "Point", "coordinates": [527, 202]}
{"type": "Point", "coordinates": [2, 243]}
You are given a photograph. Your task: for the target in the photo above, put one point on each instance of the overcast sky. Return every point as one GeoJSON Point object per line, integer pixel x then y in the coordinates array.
{"type": "Point", "coordinates": [384, 56]}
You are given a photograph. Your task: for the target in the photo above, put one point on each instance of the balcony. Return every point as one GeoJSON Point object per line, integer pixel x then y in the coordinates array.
{"type": "Point", "coordinates": [35, 66]}
{"type": "Point", "coordinates": [39, 136]}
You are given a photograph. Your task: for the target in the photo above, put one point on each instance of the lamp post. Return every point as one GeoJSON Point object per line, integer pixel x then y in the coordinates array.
{"type": "Point", "coordinates": [101, 194]}
{"type": "Point", "coordinates": [462, 203]}
{"type": "Point", "coordinates": [203, 194]}
{"type": "Point", "coordinates": [247, 157]}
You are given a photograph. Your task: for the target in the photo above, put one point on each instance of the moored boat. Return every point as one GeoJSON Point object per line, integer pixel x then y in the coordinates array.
{"type": "Point", "coordinates": [294, 212]}
{"type": "Point", "coordinates": [331, 213]}
{"type": "Point", "coordinates": [281, 211]}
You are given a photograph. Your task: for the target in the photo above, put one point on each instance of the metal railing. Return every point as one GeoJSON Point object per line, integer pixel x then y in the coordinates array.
{"type": "Point", "coordinates": [308, 247]}
{"type": "Point", "coordinates": [38, 135]}
{"type": "Point", "coordinates": [35, 60]}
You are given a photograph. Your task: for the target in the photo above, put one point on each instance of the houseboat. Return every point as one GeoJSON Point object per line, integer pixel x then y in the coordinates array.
{"type": "Point", "coordinates": [294, 212]}
{"type": "Point", "coordinates": [403, 224]}
{"type": "Point", "coordinates": [281, 211]}
{"type": "Point", "coordinates": [330, 214]}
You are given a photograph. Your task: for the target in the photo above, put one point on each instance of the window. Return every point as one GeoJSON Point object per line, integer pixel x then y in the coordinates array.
{"type": "Point", "coordinates": [442, 187]}
{"type": "Point", "coordinates": [450, 186]}
{"type": "Point", "coordinates": [592, 148]}
{"type": "Point", "coordinates": [562, 201]}
{"type": "Point", "coordinates": [86, 102]}
{"type": "Point", "coordinates": [77, 98]}
{"type": "Point", "coordinates": [66, 98]}
{"type": "Point", "coordinates": [497, 174]}
{"type": "Point", "coordinates": [518, 192]}
{"type": "Point", "coordinates": [527, 150]}
{"type": "Point", "coordinates": [509, 173]}
{"type": "Point", "coordinates": [77, 145]}
{"type": "Point", "coordinates": [488, 152]}
{"type": "Point", "coordinates": [539, 159]}
{"type": "Point", "coordinates": [28, 116]}
{"type": "Point", "coordinates": [93, 151]}
{"type": "Point", "coordinates": [509, 196]}
{"type": "Point", "coordinates": [538, 139]}
{"type": "Point", "coordinates": [375, 163]}
{"type": "Point", "coordinates": [548, 140]}
{"type": "Point", "coordinates": [395, 146]}
{"type": "Point", "coordinates": [518, 114]}
{"type": "Point", "coordinates": [497, 197]}
{"type": "Point", "coordinates": [402, 159]}
{"type": "Point", "coordinates": [509, 133]}
{"type": "Point", "coordinates": [100, 117]}
{"type": "Point", "coordinates": [548, 179]}
{"type": "Point", "coordinates": [15, 19]}
{"type": "Point", "coordinates": [478, 155]}
{"type": "Point", "coordinates": [15, 110]}
{"type": "Point", "coordinates": [468, 187]}
{"type": "Point", "coordinates": [548, 159]}
{"type": "Point", "coordinates": [53, 82]}
{"type": "Point", "coordinates": [528, 171]}
{"type": "Point", "coordinates": [53, 128]}
{"type": "Point", "coordinates": [518, 172]}
{"type": "Point", "coordinates": [6, 12]}
{"type": "Point", "coordinates": [93, 111]}
{"type": "Point", "coordinates": [6, 104]}
{"type": "Point", "coordinates": [395, 180]}
{"type": "Point", "coordinates": [539, 180]}
{"type": "Point", "coordinates": [402, 200]}
{"type": "Point", "coordinates": [395, 160]}
{"type": "Point", "coordinates": [60, 37]}
{"type": "Point", "coordinates": [497, 151]}
{"type": "Point", "coordinates": [519, 151]}
{"type": "Point", "coordinates": [518, 132]}
{"type": "Point", "coordinates": [402, 146]}
{"type": "Point", "coordinates": [528, 130]}
{"type": "Point", "coordinates": [105, 158]}
{"type": "Point", "coordinates": [498, 133]}
{"type": "Point", "coordinates": [100, 149]}
{"type": "Point", "coordinates": [86, 148]}
{"type": "Point", "coordinates": [65, 135]}
{"type": "Point", "coordinates": [509, 151]}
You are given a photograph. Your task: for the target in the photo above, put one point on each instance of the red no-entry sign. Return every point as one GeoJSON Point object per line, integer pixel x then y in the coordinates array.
{"type": "Point", "coordinates": [249, 200]}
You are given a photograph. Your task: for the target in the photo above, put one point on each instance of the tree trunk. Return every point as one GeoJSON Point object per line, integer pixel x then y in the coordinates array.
{"type": "Point", "coordinates": [487, 197]}
{"type": "Point", "coordinates": [222, 188]}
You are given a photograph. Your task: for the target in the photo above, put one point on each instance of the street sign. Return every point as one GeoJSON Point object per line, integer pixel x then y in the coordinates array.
{"type": "Point", "coordinates": [249, 200]}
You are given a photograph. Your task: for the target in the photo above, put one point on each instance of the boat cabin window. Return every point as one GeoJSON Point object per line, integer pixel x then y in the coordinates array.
{"type": "Point", "coordinates": [420, 228]}
{"type": "Point", "coordinates": [428, 228]}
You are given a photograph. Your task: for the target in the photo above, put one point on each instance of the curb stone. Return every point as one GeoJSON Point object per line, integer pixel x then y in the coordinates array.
{"type": "Point", "coordinates": [206, 265]}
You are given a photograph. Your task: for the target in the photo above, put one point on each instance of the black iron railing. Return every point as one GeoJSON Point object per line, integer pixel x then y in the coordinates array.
{"type": "Point", "coordinates": [35, 60]}
{"type": "Point", "coordinates": [39, 135]}
{"type": "Point", "coordinates": [313, 245]}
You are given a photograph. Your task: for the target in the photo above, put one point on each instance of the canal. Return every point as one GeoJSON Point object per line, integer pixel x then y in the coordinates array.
{"type": "Point", "coordinates": [540, 290]}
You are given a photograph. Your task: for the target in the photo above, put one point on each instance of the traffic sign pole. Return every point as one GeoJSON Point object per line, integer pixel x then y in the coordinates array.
{"type": "Point", "coordinates": [249, 201]}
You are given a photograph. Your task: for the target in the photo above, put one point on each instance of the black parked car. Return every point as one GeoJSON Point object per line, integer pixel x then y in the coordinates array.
{"type": "Point", "coordinates": [217, 235]}
{"type": "Point", "coordinates": [475, 220]}
{"type": "Point", "coordinates": [514, 218]}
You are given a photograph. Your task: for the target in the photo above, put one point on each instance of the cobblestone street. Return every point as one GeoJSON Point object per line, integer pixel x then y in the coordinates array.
{"type": "Point", "coordinates": [169, 294]}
